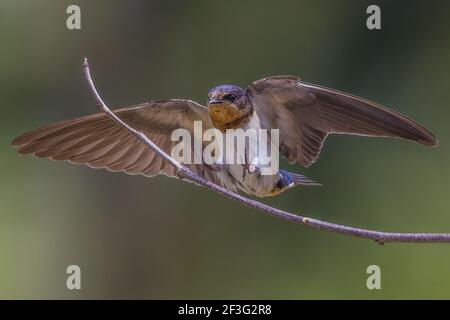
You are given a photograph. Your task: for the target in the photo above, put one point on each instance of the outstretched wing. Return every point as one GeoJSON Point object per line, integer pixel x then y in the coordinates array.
{"type": "Point", "coordinates": [306, 113]}
{"type": "Point", "coordinates": [99, 142]}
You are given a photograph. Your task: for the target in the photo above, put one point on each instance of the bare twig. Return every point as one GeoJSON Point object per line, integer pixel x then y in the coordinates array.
{"type": "Point", "coordinates": [185, 173]}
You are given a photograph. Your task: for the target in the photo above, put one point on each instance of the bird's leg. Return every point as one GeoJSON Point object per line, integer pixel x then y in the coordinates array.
{"type": "Point", "coordinates": [216, 167]}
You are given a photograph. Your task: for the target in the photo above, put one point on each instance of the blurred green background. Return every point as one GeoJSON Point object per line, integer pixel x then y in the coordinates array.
{"type": "Point", "coordinates": [160, 238]}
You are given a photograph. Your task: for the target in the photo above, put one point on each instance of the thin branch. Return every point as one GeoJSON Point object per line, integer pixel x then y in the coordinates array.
{"type": "Point", "coordinates": [184, 173]}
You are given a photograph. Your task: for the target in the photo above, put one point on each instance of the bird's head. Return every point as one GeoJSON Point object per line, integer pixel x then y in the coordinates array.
{"type": "Point", "coordinates": [227, 103]}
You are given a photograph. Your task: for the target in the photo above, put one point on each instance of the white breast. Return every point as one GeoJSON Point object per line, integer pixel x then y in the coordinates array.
{"type": "Point", "coordinates": [254, 122]}
{"type": "Point", "coordinates": [252, 183]}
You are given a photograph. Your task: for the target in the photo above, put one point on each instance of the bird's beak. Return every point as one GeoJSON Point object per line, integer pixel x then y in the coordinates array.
{"type": "Point", "coordinates": [215, 101]}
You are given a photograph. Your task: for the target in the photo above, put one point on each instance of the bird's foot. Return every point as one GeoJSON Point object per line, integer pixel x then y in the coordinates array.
{"type": "Point", "coordinates": [254, 166]}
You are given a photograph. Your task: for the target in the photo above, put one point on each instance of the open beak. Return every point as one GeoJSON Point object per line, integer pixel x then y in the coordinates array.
{"type": "Point", "coordinates": [215, 101]}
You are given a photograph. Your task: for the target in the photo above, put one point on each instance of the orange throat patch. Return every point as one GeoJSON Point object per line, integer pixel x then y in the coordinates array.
{"type": "Point", "coordinates": [224, 115]}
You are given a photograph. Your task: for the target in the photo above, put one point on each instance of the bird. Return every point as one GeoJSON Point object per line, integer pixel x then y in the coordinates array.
{"type": "Point", "coordinates": [304, 113]}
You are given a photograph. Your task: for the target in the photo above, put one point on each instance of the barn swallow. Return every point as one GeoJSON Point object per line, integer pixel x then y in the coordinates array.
{"type": "Point", "coordinates": [304, 113]}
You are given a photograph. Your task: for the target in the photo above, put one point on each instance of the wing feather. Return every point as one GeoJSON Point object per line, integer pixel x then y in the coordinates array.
{"type": "Point", "coordinates": [306, 113]}
{"type": "Point", "coordinates": [98, 142]}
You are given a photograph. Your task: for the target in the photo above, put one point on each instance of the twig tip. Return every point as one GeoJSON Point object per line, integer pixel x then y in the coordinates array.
{"type": "Point", "coordinates": [85, 63]}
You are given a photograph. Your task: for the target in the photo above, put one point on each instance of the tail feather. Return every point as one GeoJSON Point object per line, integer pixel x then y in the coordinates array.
{"type": "Point", "coordinates": [298, 178]}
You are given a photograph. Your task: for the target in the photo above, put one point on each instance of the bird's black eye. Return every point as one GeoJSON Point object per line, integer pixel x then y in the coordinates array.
{"type": "Point", "coordinates": [229, 97]}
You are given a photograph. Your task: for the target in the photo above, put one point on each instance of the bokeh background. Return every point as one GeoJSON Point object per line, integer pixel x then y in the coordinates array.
{"type": "Point", "coordinates": [135, 237]}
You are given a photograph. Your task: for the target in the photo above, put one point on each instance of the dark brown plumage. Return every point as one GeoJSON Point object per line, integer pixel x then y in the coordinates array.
{"type": "Point", "coordinates": [98, 142]}
{"type": "Point", "coordinates": [307, 113]}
